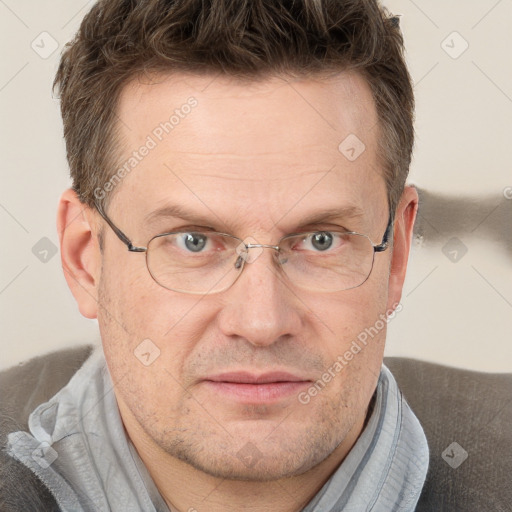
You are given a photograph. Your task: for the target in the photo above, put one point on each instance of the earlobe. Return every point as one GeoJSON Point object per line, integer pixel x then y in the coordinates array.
{"type": "Point", "coordinates": [80, 253]}
{"type": "Point", "coordinates": [403, 232]}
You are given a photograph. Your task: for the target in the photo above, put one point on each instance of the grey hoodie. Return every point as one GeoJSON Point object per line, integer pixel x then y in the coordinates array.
{"type": "Point", "coordinates": [78, 448]}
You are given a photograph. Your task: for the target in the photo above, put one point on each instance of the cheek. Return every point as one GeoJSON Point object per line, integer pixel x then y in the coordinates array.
{"type": "Point", "coordinates": [145, 329]}
{"type": "Point", "coordinates": [130, 298]}
{"type": "Point", "coordinates": [352, 311]}
{"type": "Point", "coordinates": [355, 330]}
{"type": "Point", "coordinates": [142, 349]}
{"type": "Point", "coordinates": [127, 307]}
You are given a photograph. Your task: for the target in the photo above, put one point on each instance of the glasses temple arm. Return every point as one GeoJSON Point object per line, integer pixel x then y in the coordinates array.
{"type": "Point", "coordinates": [118, 232]}
{"type": "Point", "coordinates": [387, 234]}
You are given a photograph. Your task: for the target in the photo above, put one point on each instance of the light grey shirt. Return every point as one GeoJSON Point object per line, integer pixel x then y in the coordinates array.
{"type": "Point", "coordinates": [77, 446]}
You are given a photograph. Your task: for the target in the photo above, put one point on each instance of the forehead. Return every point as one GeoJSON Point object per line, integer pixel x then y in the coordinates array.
{"type": "Point", "coordinates": [268, 148]}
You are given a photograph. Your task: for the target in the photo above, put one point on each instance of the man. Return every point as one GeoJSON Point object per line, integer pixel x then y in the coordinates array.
{"type": "Point", "coordinates": [240, 227]}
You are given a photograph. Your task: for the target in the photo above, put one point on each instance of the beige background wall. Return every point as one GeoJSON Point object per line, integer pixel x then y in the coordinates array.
{"type": "Point", "coordinates": [457, 304]}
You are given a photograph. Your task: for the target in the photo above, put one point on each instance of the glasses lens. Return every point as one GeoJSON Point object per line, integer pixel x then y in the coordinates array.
{"type": "Point", "coordinates": [205, 262]}
{"type": "Point", "coordinates": [193, 262]}
{"type": "Point", "coordinates": [327, 261]}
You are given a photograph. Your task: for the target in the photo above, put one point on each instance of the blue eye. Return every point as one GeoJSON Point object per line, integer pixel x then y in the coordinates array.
{"type": "Point", "coordinates": [322, 240]}
{"type": "Point", "coordinates": [194, 242]}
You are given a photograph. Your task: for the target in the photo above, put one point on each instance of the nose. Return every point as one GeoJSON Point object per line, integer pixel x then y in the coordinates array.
{"type": "Point", "coordinates": [260, 306]}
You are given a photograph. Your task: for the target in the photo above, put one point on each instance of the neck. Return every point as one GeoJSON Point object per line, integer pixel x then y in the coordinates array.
{"type": "Point", "coordinates": [187, 489]}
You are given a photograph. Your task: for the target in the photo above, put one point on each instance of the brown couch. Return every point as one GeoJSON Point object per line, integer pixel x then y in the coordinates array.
{"type": "Point", "coordinates": [472, 409]}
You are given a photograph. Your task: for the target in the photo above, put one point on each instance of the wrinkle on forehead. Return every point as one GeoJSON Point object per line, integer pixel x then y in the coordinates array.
{"type": "Point", "coordinates": [313, 104]}
{"type": "Point", "coordinates": [236, 177]}
{"type": "Point", "coordinates": [255, 153]}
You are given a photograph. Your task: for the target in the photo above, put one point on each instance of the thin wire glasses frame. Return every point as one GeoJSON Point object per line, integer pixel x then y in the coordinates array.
{"type": "Point", "coordinates": [242, 258]}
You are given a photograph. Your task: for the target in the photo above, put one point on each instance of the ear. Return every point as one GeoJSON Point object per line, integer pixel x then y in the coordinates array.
{"type": "Point", "coordinates": [80, 252]}
{"type": "Point", "coordinates": [402, 238]}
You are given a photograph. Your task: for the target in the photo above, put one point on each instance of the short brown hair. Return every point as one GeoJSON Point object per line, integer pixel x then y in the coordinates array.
{"type": "Point", "coordinates": [249, 39]}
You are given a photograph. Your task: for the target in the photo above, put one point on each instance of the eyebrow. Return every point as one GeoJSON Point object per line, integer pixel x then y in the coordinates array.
{"type": "Point", "coordinates": [177, 211]}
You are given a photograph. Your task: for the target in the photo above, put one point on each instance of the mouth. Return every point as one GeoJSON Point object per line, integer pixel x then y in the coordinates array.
{"type": "Point", "coordinates": [250, 388]}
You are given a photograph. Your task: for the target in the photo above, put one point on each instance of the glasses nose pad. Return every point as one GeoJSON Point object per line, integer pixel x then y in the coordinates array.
{"type": "Point", "coordinates": [244, 254]}
{"type": "Point", "coordinates": [239, 262]}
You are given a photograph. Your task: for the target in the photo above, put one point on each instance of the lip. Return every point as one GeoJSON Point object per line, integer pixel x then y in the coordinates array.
{"type": "Point", "coordinates": [250, 388]}
{"type": "Point", "coordinates": [252, 378]}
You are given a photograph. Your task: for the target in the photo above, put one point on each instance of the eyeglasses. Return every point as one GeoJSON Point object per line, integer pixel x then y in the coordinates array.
{"type": "Point", "coordinates": [206, 262]}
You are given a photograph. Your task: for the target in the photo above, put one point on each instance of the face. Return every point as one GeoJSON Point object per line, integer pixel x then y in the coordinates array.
{"type": "Point", "coordinates": [254, 160]}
